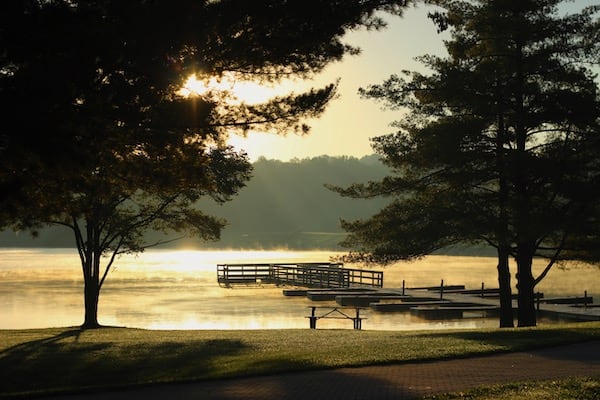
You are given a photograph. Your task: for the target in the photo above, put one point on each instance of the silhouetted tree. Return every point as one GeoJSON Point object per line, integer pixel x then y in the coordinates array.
{"type": "Point", "coordinates": [96, 136]}
{"type": "Point", "coordinates": [499, 145]}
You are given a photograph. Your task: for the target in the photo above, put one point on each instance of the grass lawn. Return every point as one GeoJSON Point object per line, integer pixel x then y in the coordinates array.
{"type": "Point", "coordinates": [64, 359]}
{"type": "Point", "coordinates": [562, 389]}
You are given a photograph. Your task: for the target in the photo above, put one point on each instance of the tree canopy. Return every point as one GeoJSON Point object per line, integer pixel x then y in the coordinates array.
{"type": "Point", "coordinates": [499, 144]}
{"type": "Point", "coordinates": [97, 136]}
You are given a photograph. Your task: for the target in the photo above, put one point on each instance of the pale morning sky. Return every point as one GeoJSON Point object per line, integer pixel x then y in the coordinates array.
{"type": "Point", "coordinates": [349, 121]}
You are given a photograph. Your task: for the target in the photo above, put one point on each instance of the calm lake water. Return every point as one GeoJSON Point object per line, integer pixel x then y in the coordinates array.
{"type": "Point", "coordinates": [169, 289]}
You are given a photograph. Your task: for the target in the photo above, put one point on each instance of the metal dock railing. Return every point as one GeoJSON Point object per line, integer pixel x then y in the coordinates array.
{"type": "Point", "coordinates": [321, 275]}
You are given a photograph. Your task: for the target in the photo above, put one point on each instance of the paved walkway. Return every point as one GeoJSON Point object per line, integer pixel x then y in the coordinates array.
{"type": "Point", "coordinates": [402, 381]}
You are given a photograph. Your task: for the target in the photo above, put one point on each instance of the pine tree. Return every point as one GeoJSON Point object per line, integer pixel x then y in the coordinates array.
{"type": "Point", "coordinates": [491, 143]}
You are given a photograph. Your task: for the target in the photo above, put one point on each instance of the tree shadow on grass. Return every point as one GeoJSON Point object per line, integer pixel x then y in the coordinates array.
{"type": "Point", "coordinates": [64, 362]}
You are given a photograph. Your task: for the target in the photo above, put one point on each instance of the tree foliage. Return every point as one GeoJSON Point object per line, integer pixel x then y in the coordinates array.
{"type": "Point", "coordinates": [499, 143]}
{"type": "Point", "coordinates": [97, 137]}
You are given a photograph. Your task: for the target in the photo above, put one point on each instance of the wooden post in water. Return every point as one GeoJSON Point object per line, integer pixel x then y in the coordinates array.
{"type": "Point", "coordinates": [537, 296]}
{"type": "Point", "coordinates": [442, 290]}
{"type": "Point", "coordinates": [357, 320]}
{"type": "Point", "coordinates": [313, 319]}
{"type": "Point", "coordinates": [585, 299]}
{"type": "Point", "coordinates": [482, 289]}
{"type": "Point", "coordinates": [403, 286]}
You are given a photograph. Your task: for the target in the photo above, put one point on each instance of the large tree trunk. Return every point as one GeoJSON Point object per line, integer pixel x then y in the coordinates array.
{"type": "Point", "coordinates": [526, 285]}
{"type": "Point", "coordinates": [523, 224]}
{"type": "Point", "coordinates": [506, 309]}
{"type": "Point", "coordinates": [90, 254]}
{"type": "Point", "coordinates": [91, 295]}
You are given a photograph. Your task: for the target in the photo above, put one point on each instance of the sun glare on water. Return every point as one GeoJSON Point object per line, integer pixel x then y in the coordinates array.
{"type": "Point", "coordinates": [191, 261]}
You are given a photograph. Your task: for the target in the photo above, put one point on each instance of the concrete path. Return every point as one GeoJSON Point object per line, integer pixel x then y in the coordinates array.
{"type": "Point", "coordinates": [401, 381]}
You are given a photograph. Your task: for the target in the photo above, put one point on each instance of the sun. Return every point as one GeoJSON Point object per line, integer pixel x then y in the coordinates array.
{"type": "Point", "coordinates": [200, 87]}
{"type": "Point", "coordinates": [232, 89]}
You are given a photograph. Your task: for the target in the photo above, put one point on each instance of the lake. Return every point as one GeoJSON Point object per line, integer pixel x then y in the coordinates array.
{"type": "Point", "coordinates": [177, 289]}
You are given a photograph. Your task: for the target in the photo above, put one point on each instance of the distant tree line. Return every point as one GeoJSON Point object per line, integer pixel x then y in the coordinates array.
{"type": "Point", "coordinates": [284, 205]}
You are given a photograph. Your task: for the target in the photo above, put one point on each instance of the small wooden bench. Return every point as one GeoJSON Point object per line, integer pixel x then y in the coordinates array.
{"type": "Point", "coordinates": [334, 312]}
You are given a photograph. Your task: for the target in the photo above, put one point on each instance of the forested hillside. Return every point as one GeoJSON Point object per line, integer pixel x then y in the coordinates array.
{"type": "Point", "coordinates": [287, 205]}
{"type": "Point", "coordinates": [284, 205]}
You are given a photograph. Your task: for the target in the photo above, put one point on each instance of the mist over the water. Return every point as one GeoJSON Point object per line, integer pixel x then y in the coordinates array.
{"type": "Point", "coordinates": [174, 289]}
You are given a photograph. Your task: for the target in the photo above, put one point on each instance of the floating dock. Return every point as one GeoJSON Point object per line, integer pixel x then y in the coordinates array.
{"type": "Point", "coordinates": [309, 275]}
{"type": "Point", "coordinates": [435, 303]}
{"type": "Point", "coordinates": [365, 300]}
{"type": "Point", "coordinates": [455, 311]}
{"type": "Point", "coordinates": [405, 305]}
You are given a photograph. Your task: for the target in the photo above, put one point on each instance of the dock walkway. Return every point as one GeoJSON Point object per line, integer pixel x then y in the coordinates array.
{"type": "Point", "coordinates": [545, 309]}
{"type": "Point", "coordinates": [430, 303]}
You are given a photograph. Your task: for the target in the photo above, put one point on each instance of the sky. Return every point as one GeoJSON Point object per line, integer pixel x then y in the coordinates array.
{"type": "Point", "coordinates": [349, 121]}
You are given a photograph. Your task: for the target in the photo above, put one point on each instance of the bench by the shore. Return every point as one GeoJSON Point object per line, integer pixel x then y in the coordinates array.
{"type": "Point", "coordinates": [334, 312]}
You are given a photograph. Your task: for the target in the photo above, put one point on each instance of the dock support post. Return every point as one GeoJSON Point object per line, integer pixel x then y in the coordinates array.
{"type": "Point", "coordinates": [442, 290]}
{"type": "Point", "coordinates": [313, 319]}
{"type": "Point", "coordinates": [357, 320]}
{"type": "Point", "coordinates": [403, 287]}
{"type": "Point", "coordinates": [585, 299]}
{"type": "Point", "coordinates": [482, 289]}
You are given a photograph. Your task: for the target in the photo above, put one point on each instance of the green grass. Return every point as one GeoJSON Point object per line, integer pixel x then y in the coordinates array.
{"type": "Point", "coordinates": [574, 388]}
{"type": "Point", "coordinates": [70, 359]}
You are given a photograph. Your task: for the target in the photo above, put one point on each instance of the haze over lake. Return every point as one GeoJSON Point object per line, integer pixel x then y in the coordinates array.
{"type": "Point", "coordinates": [175, 289]}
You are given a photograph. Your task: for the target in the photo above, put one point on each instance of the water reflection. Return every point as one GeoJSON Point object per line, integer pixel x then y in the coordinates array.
{"type": "Point", "coordinates": [178, 290]}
